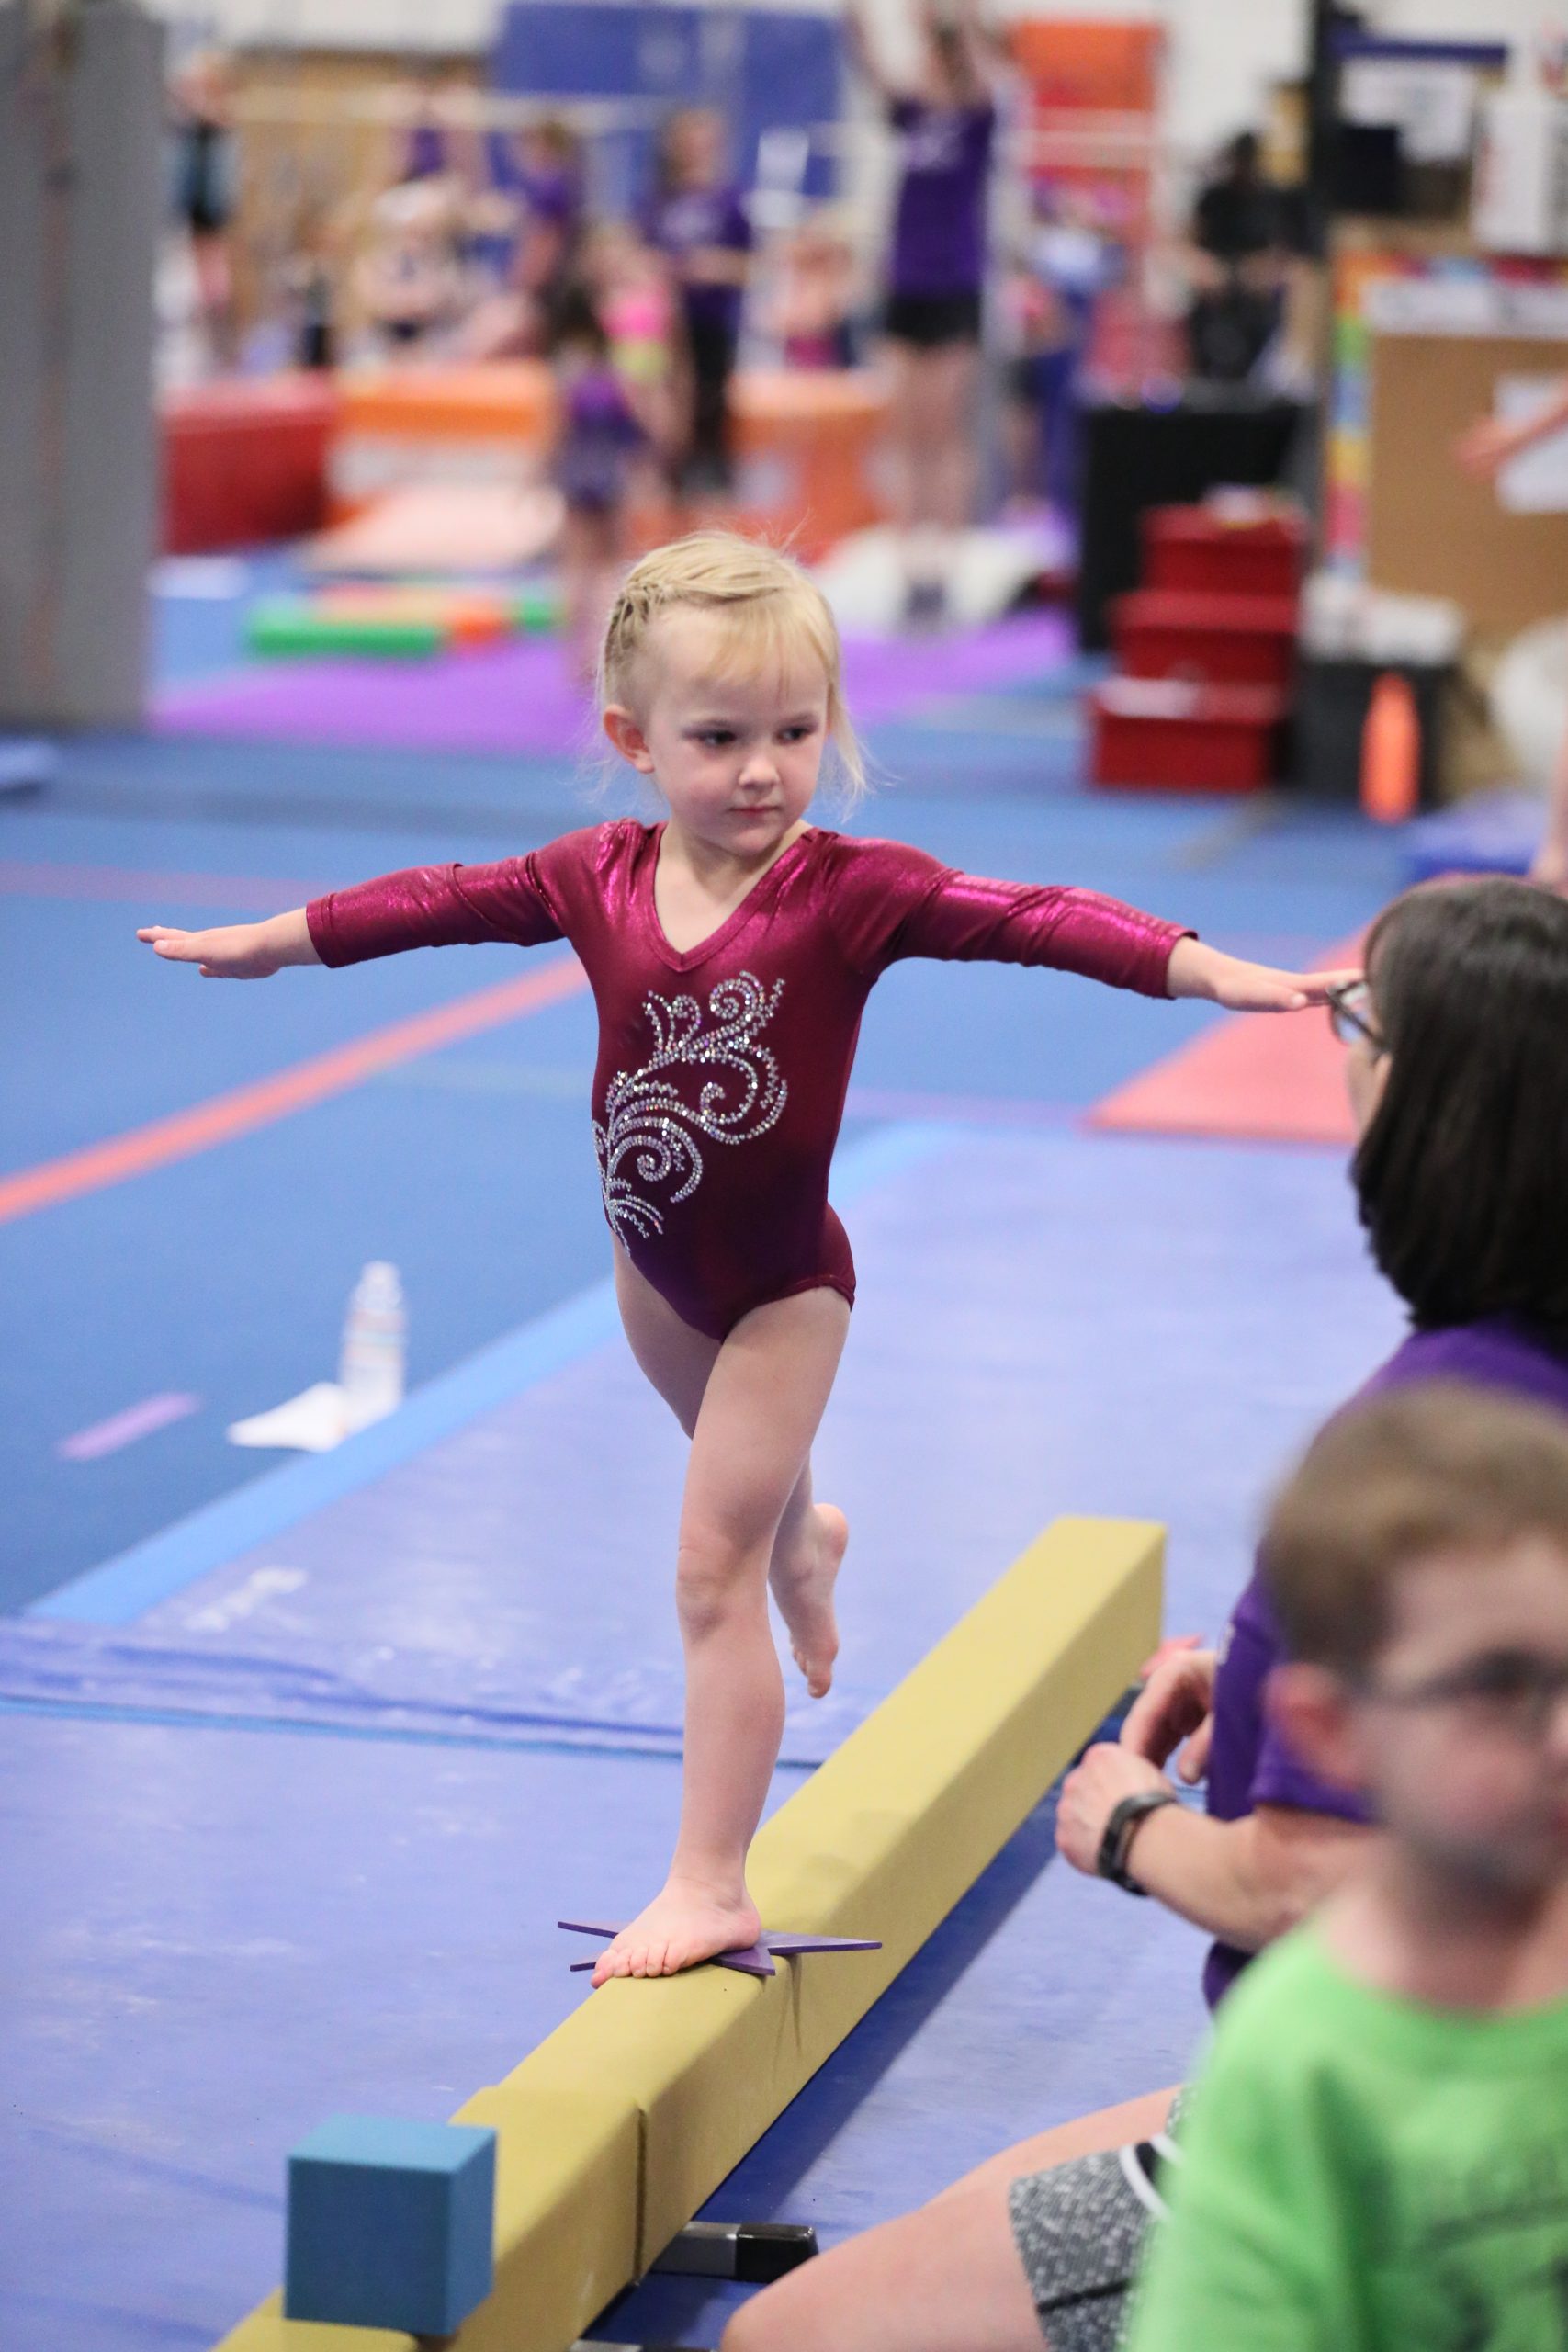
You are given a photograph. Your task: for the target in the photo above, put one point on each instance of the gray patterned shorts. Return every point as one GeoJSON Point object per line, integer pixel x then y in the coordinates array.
{"type": "Point", "coordinates": [1080, 2228]}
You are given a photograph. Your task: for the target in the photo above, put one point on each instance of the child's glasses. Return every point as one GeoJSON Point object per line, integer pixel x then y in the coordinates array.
{"type": "Point", "coordinates": [1509, 1691]}
{"type": "Point", "coordinates": [1349, 1010]}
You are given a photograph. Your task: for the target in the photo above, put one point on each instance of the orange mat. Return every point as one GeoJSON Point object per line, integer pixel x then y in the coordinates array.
{"type": "Point", "coordinates": [1268, 1077]}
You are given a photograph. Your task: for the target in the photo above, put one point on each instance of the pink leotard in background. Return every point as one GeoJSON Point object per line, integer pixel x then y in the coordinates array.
{"type": "Point", "coordinates": [722, 1069]}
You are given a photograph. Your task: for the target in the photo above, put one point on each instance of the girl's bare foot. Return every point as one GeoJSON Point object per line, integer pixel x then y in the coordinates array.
{"type": "Point", "coordinates": [682, 1925]}
{"type": "Point", "coordinates": [803, 1584]}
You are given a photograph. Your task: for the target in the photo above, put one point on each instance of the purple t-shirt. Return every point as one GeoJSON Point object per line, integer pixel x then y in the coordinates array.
{"type": "Point", "coordinates": [682, 220]}
{"type": "Point", "coordinates": [1250, 1764]}
{"type": "Point", "coordinates": [939, 228]}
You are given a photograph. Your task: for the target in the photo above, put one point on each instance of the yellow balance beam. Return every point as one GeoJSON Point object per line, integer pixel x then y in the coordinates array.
{"type": "Point", "coordinates": [623, 2122]}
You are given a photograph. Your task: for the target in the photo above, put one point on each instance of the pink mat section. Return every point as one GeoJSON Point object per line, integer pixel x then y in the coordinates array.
{"type": "Point", "coordinates": [1266, 1077]}
{"type": "Point", "coordinates": [520, 696]}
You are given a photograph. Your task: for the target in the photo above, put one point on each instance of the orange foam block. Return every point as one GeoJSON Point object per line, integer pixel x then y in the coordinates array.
{"type": "Point", "coordinates": [468, 617]}
{"type": "Point", "coordinates": [1268, 1078]}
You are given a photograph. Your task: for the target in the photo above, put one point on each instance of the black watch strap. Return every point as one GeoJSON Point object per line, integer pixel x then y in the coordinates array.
{"type": "Point", "coordinates": [1124, 1817]}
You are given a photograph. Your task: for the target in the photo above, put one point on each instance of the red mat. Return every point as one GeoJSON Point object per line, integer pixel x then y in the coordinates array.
{"type": "Point", "coordinates": [1270, 1078]}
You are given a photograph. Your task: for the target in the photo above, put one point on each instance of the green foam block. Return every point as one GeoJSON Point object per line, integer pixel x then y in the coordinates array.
{"type": "Point", "coordinates": [537, 612]}
{"type": "Point", "coordinates": [277, 629]}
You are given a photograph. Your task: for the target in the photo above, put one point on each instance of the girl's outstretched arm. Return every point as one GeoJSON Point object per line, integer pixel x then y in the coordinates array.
{"type": "Point", "coordinates": [1196, 969]}
{"type": "Point", "coordinates": [890, 900]}
{"type": "Point", "coordinates": [237, 951]}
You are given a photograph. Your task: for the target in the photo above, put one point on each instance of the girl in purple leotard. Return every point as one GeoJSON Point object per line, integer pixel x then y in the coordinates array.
{"type": "Point", "coordinates": [731, 949]}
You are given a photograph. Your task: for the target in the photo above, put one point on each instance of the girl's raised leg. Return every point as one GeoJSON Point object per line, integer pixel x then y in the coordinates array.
{"type": "Point", "coordinates": [808, 1551]}
{"type": "Point", "coordinates": [764, 1396]}
{"type": "Point", "coordinates": [808, 1546]}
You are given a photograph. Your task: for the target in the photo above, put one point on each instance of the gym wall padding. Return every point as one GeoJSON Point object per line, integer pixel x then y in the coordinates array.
{"type": "Point", "coordinates": [625, 2119]}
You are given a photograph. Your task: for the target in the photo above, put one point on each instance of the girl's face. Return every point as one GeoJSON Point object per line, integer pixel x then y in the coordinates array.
{"type": "Point", "coordinates": [736, 755]}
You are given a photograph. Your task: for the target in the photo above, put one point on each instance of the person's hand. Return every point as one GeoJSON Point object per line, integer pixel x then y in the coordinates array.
{"type": "Point", "coordinates": [1174, 1705]}
{"type": "Point", "coordinates": [1169, 1647]}
{"type": "Point", "coordinates": [1096, 1784]}
{"type": "Point", "coordinates": [1196, 969]}
{"type": "Point", "coordinates": [1485, 447]}
{"type": "Point", "coordinates": [237, 951]}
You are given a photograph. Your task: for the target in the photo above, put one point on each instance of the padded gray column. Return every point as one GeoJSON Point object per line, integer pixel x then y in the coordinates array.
{"type": "Point", "coordinates": [81, 204]}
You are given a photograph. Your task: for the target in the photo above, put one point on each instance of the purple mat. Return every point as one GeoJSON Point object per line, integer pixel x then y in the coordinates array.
{"type": "Point", "coordinates": [520, 697]}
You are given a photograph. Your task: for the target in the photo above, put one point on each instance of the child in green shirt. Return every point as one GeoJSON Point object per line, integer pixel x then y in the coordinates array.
{"type": "Point", "coordinates": [1377, 2154]}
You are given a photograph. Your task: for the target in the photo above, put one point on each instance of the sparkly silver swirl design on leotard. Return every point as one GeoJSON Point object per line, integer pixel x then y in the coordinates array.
{"type": "Point", "coordinates": [648, 1123]}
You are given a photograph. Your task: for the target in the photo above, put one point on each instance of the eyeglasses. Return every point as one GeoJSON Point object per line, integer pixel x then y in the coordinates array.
{"type": "Point", "coordinates": [1507, 1691]}
{"type": "Point", "coordinates": [1349, 1005]}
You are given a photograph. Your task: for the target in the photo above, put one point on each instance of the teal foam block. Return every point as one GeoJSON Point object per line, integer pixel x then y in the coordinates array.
{"type": "Point", "coordinates": [391, 2223]}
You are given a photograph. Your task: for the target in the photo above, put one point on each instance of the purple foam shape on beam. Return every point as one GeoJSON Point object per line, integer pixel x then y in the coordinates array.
{"type": "Point", "coordinates": [753, 1960]}
{"type": "Point", "coordinates": [790, 1947]}
{"type": "Point", "coordinates": [749, 1959]}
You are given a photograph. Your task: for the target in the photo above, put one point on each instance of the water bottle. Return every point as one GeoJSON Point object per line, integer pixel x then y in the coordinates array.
{"type": "Point", "coordinates": [1391, 752]}
{"type": "Point", "coordinates": [370, 1369]}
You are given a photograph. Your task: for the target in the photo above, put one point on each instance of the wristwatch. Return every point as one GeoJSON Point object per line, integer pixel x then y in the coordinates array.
{"type": "Point", "coordinates": [1111, 1859]}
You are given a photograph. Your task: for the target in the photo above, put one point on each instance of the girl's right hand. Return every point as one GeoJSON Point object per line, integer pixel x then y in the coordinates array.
{"type": "Point", "coordinates": [1175, 1704]}
{"type": "Point", "coordinates": [236, 951]}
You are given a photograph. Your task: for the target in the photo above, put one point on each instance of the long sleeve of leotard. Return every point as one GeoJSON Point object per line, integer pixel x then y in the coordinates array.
{"type": "Point", "coordinates": [891, 901]}
{"type": "Point", "coordinates": [437, 905]}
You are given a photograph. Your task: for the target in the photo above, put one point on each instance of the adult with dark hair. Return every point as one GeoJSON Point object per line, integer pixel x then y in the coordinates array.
{"type": "Point", "coordinates": [946, 126]}
{"type": "Point", "coordinates": [1458, 1079]}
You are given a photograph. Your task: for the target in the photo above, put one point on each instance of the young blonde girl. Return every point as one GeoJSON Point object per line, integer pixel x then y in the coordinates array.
{"type": "Point", "coordinates": [731, 949]}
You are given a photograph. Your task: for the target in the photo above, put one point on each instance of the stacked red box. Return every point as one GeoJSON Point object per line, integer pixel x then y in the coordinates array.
{"type": "Point", "coordinates": [1206, 652]}
{"type": "Point", "coordinates": [1217, 640]}
{"type": "Point", "coordinates": [1173, 735]}
{"type": "Point", "coordinates": [1216, 552]}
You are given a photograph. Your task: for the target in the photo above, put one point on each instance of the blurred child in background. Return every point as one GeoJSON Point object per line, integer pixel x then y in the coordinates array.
{"type": "Point", "coordinates": [524, 231]}
{"type": "Point", "coordinates": [1377, 2155]}
{"type": "Point", "coordinates": [809, 315]}
{"type": "Point", "coordinates": [631, 291]}
{"type": "Point", "coordinates": [601, 440]}
{"type": "Point", "coordinates": [697, 218]}
{"type": "Point", "coordinates": [205, 175]}
{"type": "Point", "coordinates": [409, 281]}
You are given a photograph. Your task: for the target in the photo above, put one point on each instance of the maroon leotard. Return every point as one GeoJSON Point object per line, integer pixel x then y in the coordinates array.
{"type": "Point", "coordinates": [722, 1069]}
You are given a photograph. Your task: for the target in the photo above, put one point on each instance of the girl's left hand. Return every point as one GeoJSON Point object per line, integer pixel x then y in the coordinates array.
{"type": "Point", "coordinates": [1199, 970]}
{"type": "Point", "coordinates": [1097, 1783]}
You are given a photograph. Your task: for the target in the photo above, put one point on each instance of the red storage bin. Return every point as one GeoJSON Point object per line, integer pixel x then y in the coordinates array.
{"type": "Point", "coordinates": [1216, 640]}
{"type": "Point", "coordinates": [1204, 549]}
{"type": "Point", "coordinates": [1167, 735]}
{"type": "Point", "coordinates": [245, 461]}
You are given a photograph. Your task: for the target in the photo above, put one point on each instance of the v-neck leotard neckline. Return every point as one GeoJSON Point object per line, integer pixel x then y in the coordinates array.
{"type": "Point", "coordinates": [758, 897]}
